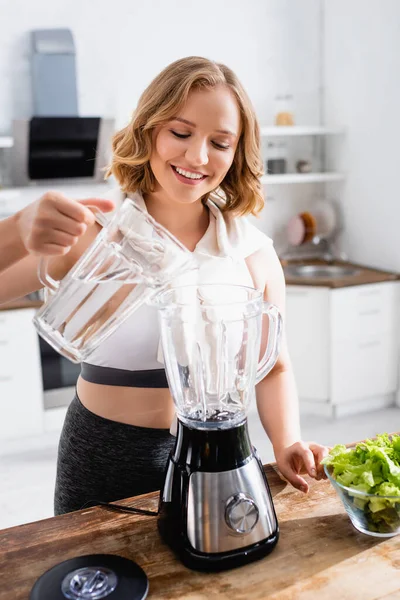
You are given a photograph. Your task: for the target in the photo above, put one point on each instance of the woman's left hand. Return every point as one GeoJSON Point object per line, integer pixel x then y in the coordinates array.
{"type": "Point", "coordinates": [301, 457]}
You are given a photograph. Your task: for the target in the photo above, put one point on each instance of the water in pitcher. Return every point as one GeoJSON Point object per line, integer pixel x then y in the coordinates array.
{"type": "Point", "coordinates": [131, 259]}
{"type": "Point", "coordinates": [90, 302]}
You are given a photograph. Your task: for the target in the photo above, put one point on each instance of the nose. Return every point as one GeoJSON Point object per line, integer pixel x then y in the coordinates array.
{"type": "Point", "coordinates": [197, 153]}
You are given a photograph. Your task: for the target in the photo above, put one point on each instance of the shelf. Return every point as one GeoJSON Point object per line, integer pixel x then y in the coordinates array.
{"type": "Point", "coordinates": [6, 142]}
{"type": "Point", "coordinates": [299, 130]}
{"type": "Point", "coordinates": [302, 178]}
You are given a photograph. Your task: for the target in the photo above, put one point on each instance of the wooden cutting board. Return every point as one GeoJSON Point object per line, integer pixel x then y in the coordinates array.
{"type": "Point", "coordinates": [319, 555]}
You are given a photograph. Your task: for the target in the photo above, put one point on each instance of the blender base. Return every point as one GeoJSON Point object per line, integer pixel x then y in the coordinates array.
{"type": "Point", "coordinates": [198, 561]}
{"type": "Point", "coordinates": [216, 510]}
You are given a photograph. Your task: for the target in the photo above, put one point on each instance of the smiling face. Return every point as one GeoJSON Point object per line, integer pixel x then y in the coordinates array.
{"type": "Point", "coordinates": [193, 152]}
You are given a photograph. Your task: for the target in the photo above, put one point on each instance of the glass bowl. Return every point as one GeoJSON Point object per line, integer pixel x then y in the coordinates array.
{"type": "Point", "coordinates": [371, 514]}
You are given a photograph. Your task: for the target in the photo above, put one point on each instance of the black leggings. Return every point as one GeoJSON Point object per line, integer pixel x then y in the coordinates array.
{"type": "Point", "coordinates": [103, 460]}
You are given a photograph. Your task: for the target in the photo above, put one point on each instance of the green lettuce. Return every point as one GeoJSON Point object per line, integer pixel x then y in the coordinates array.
{"type": "Point", "coordinates": [371, 467]}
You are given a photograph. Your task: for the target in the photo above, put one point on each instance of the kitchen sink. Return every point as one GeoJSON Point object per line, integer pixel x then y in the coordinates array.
{"type": "Point", "coordinates": [320, 271]}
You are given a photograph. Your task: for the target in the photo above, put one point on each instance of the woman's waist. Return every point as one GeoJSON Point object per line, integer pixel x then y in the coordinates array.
{"type": "Point", "coordinates": [119, 377]}
{"type": "Point", "coordinates": [143, 407]}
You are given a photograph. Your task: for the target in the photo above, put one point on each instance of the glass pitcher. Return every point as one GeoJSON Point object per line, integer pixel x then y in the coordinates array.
{"type": "Point", "coordinates": [211, 338]}
{"type": "Point", "coordinates": [131, 259]}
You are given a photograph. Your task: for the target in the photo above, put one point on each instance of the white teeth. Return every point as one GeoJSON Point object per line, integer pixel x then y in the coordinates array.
{"type": "Point", "coordinates": [188, 174]}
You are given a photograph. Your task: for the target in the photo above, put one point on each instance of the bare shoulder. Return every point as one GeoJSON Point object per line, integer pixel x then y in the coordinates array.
{"type": "Point", "coordinates": [267, 273]}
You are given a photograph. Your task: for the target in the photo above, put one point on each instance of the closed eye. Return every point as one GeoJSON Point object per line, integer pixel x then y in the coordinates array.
{"type": "Point", "coordinates": [221, 146]}
{"type": "Point", "coordinates": [184, 136]}
{"type": "Point", "coordinates": [181, 136]}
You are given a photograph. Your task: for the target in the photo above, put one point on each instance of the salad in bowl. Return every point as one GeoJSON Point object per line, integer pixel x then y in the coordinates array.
{"type": "Point", "coordinates": [367, 479]}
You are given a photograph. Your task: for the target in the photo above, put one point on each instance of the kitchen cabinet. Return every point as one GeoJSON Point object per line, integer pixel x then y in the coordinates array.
{"type": "Point", "coordinates": [21, 392]}
{"type": "Point", "coordinates": [343, 344]}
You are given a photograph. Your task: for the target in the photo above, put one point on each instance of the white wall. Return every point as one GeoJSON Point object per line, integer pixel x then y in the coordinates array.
{"type": "Point", "coordinates": [362, 92]}
{"type": "Point", "coordinates": [273, 45]}
{"type": "Point", "coordinates": [121, 45]}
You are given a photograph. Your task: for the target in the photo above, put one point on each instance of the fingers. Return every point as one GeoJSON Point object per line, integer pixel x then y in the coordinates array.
{"type": "Point", "coordinates": [294, 478]}
{"type": "Point", "coordinates": [54, 223]}
{"type": "Point", "coordinates": [101, 203]}
{"type": "Point", "coordinates": [58, 222]}
{"type": "Point", "coordinates": [301, 457]}
{"type": "Point", "coordinates": [62, 239]}
{"type": "Point", "coordinates": [51, 250]}
{"type": "Point", "coordinates": [77, 209]}
{"type": "Point", "coordinates": [308, 459]}
{"type": "Point", "coordinates": [319, 453]}
{"type": "Point", "coordinates": [51, 243]}
{"type": "Point", "coordinates": [51, 230]}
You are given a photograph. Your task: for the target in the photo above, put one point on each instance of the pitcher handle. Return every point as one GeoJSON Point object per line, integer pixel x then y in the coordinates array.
{"type": "Point", "coordinates": [274, 341]}
{"type": "Point", "coordinates": [42, 271]}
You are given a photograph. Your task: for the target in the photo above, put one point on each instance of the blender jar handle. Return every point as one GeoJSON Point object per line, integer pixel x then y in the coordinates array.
{"type": "Point", "coordinates": [42, 270]}
{"type": "Point", "coordinates": [274, 341]}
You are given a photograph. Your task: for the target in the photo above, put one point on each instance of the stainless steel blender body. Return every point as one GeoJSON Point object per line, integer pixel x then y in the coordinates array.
{"type": "Point", "coordinates": [216, 509]}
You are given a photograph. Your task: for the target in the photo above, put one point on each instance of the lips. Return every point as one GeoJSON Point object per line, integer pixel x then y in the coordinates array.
{"type": "Point", "coordinates": [188, 172]}
{"type": "Point", "coordinates": [188, 180]}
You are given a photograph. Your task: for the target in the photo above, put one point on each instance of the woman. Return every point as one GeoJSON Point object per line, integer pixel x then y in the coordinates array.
{"type": "Point", "coordinates": [191, 157]}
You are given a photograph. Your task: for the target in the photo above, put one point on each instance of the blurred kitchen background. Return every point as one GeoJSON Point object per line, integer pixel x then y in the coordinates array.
{"type": "Point", "coordinates": [323, 79]}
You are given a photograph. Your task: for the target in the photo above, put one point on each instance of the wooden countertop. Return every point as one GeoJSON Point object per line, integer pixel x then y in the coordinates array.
{"type": "Point", "coordinates": [319, 555]}
{"type": "Point", "coordinates": [366, 275]}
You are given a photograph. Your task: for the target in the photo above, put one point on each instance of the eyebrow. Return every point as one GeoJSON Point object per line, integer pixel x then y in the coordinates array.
{"type": "Point", "coordinates": [186, 122]}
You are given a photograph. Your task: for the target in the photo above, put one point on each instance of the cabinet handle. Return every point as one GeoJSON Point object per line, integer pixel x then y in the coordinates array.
{"type": "Point", "coordinates": [369, 344]}
{"type": "Point", "coordinates": [366, 313]}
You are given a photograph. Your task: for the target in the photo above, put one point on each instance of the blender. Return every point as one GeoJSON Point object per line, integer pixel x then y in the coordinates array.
{"type": "Point", "coordinates": [216, 510]}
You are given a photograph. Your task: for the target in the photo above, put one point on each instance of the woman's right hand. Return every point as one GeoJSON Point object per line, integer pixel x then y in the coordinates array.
{"type": "Point", "coordinates": [54, 223]}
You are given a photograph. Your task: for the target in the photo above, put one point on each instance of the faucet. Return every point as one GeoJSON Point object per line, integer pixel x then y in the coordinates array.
{"type": "Point", "coordinates": [318, 247]}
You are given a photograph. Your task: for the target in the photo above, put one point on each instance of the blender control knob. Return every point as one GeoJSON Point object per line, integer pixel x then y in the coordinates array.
{"type": "Point", "coordinates": [241, 513]}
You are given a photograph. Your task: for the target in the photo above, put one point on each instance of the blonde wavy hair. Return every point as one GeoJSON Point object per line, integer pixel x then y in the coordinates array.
{"type": "Point", "coordinates": [161, 101]}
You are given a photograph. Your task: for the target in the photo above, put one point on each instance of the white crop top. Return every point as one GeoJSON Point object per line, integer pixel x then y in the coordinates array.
{"type": "Point", "coordinates": [220, 254]}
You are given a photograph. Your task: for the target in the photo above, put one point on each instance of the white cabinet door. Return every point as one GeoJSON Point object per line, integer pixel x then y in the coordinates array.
{"type": "Point", "coordinates": [344, 343]}
{"type": "Point", "coordinates": [364, 368]}
{"type": "Point", "coordinates": [307, 330]}
{"type": "Point", "coordinates": [363, 310]}
{"type": "Point", "coordinates": [364, 346]}
{"type": "Point", "coordinates": [21, 390]}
